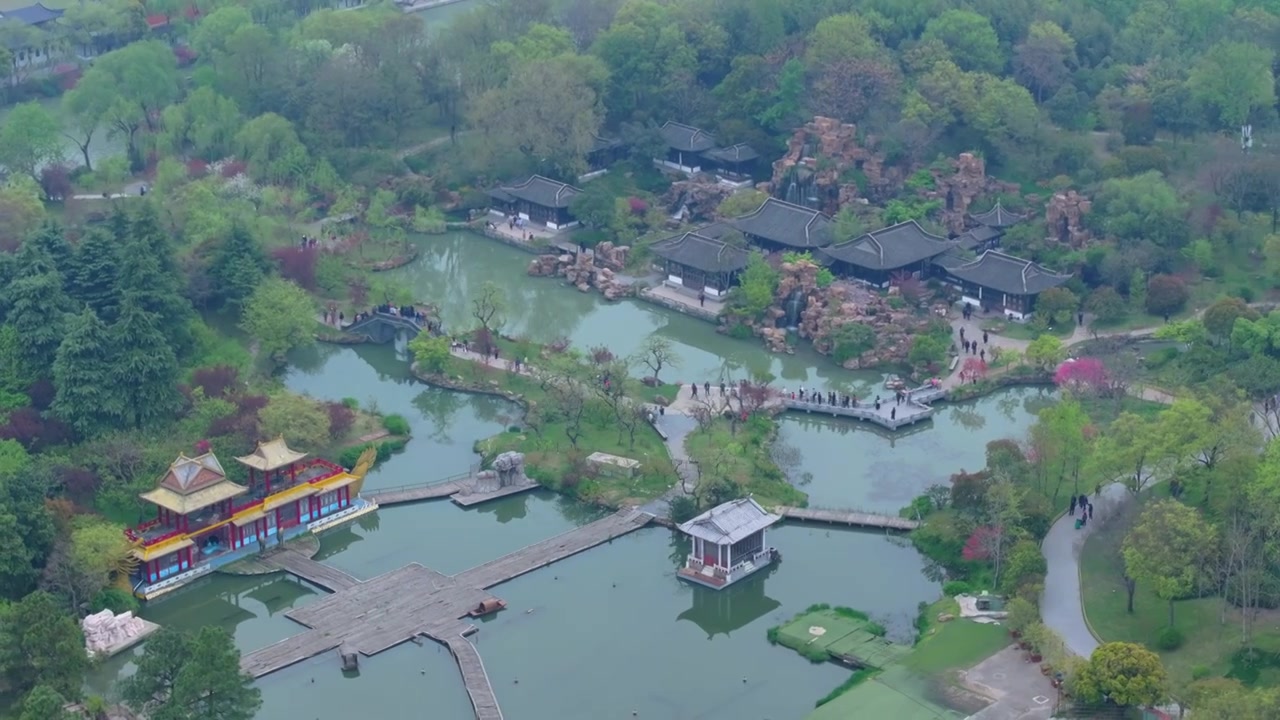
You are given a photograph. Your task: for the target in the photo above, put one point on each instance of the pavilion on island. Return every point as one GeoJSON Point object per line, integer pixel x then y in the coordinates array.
{"type": "Point", "coordinates": [727, 543]}
{"type": "Point", "coordinates": [204, 520]}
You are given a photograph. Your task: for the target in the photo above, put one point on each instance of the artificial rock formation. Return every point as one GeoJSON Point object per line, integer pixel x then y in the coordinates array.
{"type": "Point", "coordinates": [106, 633]}
{"type": "Point", "coordinates": [506, 470]}
{"type": "Point", "coordinates": [580, 271]}
{"type": "Point", "coordinates": [966, 181]}
{"type": "Point", "coordinates": [698, 197]}
{"type": "Point", "coordinates": [611, 256]}
{"type": "Point", "coordinates": [823, 155]}
{"type": "Point", "coordinates": [1064, 218]}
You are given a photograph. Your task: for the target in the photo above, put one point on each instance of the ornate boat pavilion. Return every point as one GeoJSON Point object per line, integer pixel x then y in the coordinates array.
{"type": "Point", "coordinates": [727, 543]}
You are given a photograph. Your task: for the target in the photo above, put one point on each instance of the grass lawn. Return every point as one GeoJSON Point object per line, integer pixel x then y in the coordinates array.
{"type": "Point", "coordinates": [1024, 331]}
{"type": "Point", "coordinates": [744, 458]}
{"type": "Point", "coordinates": [953, 645]}
{"type": "Point", "coordinates": [1103, 410]}
{"type": "Point", "coordinates": [1209, 643]}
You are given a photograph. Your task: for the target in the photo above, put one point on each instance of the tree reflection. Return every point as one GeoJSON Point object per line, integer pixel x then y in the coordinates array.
{"type": "Point", "coordinates": [968, 417]}
{"type": "Point", "coordinates": [507, 509]}
{"type": "Point", "coordinates": [311, 360]}
{"type": "Point", "coordinates": [576, 512]}
{"type": "Point", "coordinates": [369, 522]}
{"type": "Point", "coordinates": [438, 406]}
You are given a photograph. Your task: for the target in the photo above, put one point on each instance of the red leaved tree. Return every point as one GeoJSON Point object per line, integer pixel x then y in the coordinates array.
{"type": "Point", "coordinates": [1084, 376]}
{"type": "Point", "coordinates": [980, 544]}
{"type": "Point", "coordinates": [974, 368]}
{"type": "Point", "coordinates": [297, 264]}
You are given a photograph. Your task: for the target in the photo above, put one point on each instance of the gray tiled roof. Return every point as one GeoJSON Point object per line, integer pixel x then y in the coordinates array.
{"type": "Point", "coordinates": [787, 223]}
{"type": "Point", "coordinates": [703, 250]}
{"type": "Point", "coordinates": [539, 191]}
{"type": "Point", "coordinates": [687, 138]}
{"type": "Point", "coordinates": [599, 144]}
{"type": "Point", "coordinates": [896, 246]}
{"type": "Point", "coordinates": [32, 14]}
{"type": "Point", "coordinates": [741, 152]}
{"type": "Point", "coordinates": [998, 217]}
{"type": "Point", "coordinates": [975, 237]}
{"type": "Point", "coordinates": [1008, 274]}
{"type": "Point", "coordinates": [728, 523]}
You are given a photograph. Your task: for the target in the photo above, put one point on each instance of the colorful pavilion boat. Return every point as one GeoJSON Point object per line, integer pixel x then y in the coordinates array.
{"type": "Point", "coordinates": [204, 520]}
{"type": "Point", "coordinates": [727, 543]}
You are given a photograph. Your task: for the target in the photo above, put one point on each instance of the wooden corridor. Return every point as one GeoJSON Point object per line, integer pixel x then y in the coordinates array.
{"type": "Point", "coordinates": [329, 578]}
{"type": "Point", "coordinates": [851, 518]}
{"type": "Point", "coordinates": [375, 615]}
{"type": "Point", "coordinates": [419, 492]}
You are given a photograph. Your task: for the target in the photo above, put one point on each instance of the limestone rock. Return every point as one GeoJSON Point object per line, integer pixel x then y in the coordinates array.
{"type": "Point", "coordinates": [966, 181]}
{"type": "Point", "coordinates": [698, 197]}
{"type": "Point", "coordinates": [1064, 218]}
{"type": "Point", "coordinates": [545, 265]}
{"type": "Point", "coordinates": [849, 169]}
{"type": "Point", "coordinates": [945, 617]}
{"type": "Point", "coordinates": [106, 631]}
{"type": "Point", "coordinates": [611, 256]}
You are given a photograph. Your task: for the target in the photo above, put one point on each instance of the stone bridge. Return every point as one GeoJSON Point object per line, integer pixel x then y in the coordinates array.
{"type": "Point", "coordinates": [383, 328]}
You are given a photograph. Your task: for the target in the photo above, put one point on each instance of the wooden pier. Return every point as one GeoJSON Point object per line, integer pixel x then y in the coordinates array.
{"type": "Point", "coordinates": [890, 416]}
{"type": "Point", "coordinates": [374, 615]}
{"type": "Point", "coordinates": [420, 491]}
{"type": "Point", "coordinates": [292, 561]}
{"type": "Point", "coordinates": [852, 518]}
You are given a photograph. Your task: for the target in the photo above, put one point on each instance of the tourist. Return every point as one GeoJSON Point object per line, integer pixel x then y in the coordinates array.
{"type": "Point", "coordinates": [961, 334]}
{"type": "Point", "coordinates": [695, 389]}
{"type": "Point", "coordinates": [707, 387]}
{"type": "Point", "coordinates": [893, 413]}
{"type": "Point", "coordinates": [1097, 490]}
{"type": "Point", "coordinates": [877, 404]}
{"type": "Point", "coordinates": [721, 388]}
{"type": "Point", "coordinates": [702, 299]}
{"type": "Point", "coordinates": [1080, 319]}
{"type": "Point", "coordinates": [342, 318]}
{"type": "Point", "coordinates": [985, 337]}
{"type": "Point", "coordinates": [1073, 506]}
{"type": "Point", "coordinates": [983, 354]}
{"type": "Point", "coordinates": [1090, 511]}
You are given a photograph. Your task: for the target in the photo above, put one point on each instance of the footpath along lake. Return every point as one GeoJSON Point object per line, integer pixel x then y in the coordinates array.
{"type": "Point", "coordinates": [610, 631]}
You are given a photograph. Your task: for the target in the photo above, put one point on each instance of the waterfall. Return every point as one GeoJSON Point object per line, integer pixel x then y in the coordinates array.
{"type": "Point", "coordinates": [793, 192]}
{"type": "Point", "coordinates": [795, 304]}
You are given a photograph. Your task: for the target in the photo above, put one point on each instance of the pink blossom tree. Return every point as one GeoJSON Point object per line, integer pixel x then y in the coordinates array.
{"type": "Point", "coordinates": [1084, 376]}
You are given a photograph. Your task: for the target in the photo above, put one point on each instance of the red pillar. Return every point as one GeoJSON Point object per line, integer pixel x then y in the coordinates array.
{"type": "Point", "coordinates": [266, 477]}
{"type": "Point", "coordinates": [293, 473]}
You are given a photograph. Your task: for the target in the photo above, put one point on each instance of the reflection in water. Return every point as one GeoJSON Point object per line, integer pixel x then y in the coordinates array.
{"type": "Point", "coordinates": [438, 407]}
{"type": "Point", "coordinates": [515, 508]}
{"type": "Point", "coordinates": [967, 417]}
{"type": "Point", "coordinates": [334, 541]}
{"type": "Point", "coordinates": [720, 612]}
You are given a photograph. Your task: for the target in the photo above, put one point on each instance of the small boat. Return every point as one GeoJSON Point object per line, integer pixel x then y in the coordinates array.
{"type": "Point", "coordinates": [488, 607]}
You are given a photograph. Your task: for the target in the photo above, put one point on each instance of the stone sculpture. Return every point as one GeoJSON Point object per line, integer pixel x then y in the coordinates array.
{"type": "Point", "coordinates": [510, 469]}
{"type": "Point", "coordinates": [108, 633]}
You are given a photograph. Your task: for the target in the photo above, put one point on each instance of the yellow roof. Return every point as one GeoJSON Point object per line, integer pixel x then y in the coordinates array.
{"type": "Point", "coordinates": [247, 517]}
{"type": "Point", "coordinates": [288, 496]}
{"type": "Point", "coordinates": [203, 498]}
{"type": "Point", "coordinates": [271, 455]}
{"type": "Point", "coordinates": [168, 546]}
{"type": "Point", "coordinates": [336, 482]}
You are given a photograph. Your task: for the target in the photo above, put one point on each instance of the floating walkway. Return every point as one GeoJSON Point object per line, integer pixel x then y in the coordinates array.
{"type": "Point", "coordinates": [292, 561]}
{"type": "Point", "coordinates": [374, 615]}
{"type": "Point", "coordinates": [851, 518]}
{"type": "Point", "coordinates": [890, 416]}
{"type": "Point", "coordinates": [460, 488]}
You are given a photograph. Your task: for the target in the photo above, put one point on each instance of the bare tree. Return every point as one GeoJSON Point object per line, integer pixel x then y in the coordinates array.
{"type": "Point", "coordinates": [657, 353]}
{"type": "Point", "coordinates": [490, 307]}
{"type": "Point", "coordinates": [611, 389]}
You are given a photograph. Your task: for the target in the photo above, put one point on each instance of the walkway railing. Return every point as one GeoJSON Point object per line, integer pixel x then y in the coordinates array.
{"type": "Point", "coordinates": [420, 485]}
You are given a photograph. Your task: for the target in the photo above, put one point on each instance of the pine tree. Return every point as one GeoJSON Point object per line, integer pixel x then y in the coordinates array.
{"type": "Point", "coordinates": [238, 266]}
{"type": "Point", "coordinates": [145, 368]}
{"type": "Point", "coordinates": [88, 398]}
{"type": "Point", "coordinates": [93, 276]}
{"type": "Point", "coordinates": [147, 227]}
{"type": "Point", "coordinates": [42, 644]}
{"type": "Point", "coordinates": [50, 241]}
{"type": "Point", "coordinates": [144, 282]}
{"type": "Point", "coordinates": [211, 685]}
{"type": "Point", "coordinates": [38, 308]}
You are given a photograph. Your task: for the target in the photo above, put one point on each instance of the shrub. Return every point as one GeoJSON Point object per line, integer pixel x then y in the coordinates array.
{"type": "Point", "coordinates": [41, 393]}
{"type": "Point", "coordinates": [395, 424]}
{"type": "Point", "coordinates": [297, 264]}
{"type": "Point", "coordinates": [341, 418]}
{"type": "Point", "coordinates": [956, 587]}
{"type": "Point", "coordinates": [876, 628]}
{"type": "Point", "coordinates": [682, 508]}
{"type": "Point", "coordinates": [351, 402]}
{"type": "Point", "coordinates": [115, 600]}
{"type": "Point", "coordinates": [1170, 638]}
{"type": "Point", "coordinates": [215, 381]}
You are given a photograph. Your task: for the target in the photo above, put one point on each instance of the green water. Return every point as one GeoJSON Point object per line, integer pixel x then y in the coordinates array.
{"type": "Point", "coordinates": [610, 631]}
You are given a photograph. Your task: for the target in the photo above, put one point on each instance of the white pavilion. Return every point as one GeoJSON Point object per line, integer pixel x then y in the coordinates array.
{"type": "Point", "coordinates": [728, 543]}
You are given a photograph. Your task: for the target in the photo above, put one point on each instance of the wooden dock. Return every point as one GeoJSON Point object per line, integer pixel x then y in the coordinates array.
{"type": "Point", "coordinates": [329, 578]}
{"type": "Point", "coordinates": [378, 614]}
{"type": "Point", "coordinates": [852, 518]}
{"type": "Point", "coordinates": [419, 491]}
{"type": "Point", "coordinates": [468, 499]}
{"type": "Point", "coordinates": [891, 414]}
{"type": "Point", "coordinates": [532, 557]}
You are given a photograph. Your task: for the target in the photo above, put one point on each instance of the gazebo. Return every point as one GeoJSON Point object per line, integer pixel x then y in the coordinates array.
{"type": "Point", "coordinates": [273, 456]}
{"type": "Point", "coordinates": [727, 543]}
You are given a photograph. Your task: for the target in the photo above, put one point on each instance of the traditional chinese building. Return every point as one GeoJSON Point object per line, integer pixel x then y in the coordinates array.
{"type": "Point", "coordinates": [1002, 283]}
{"type": "Point", "coordinates": [685, 146]}
{"type": "Point", "coordinates": [204, 520]}
{"type": "Point", "coordinates": [877, 256]}
{"type": "Point", "coordinates": [727, 543]}
{"type": "Point", "coordinates": [699, 261]}
{"type": "Point", "coordinates": [987, 228]}
{"type": "Point", "coordinates": [538, 199]}
{"type": "Point", "coordinates": [733, 165]}
{"type": "Point", "coordinates": [780, 225]}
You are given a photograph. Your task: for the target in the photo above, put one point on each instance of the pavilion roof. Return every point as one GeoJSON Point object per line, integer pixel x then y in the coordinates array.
{"type": "Point", "coordinates": [741, 152]}
{"type": "Point", "coordinates": [702, 249]}
{"type": "Point", "coordinates": [728, 523]}
{"type": "Point", "coordinates": [686, 138]}
{"type": "Point", "coordinates": [787, 223]}
{"type": "Point", "coordinates": [894, 247]}
{"type": "Point", "coordinates": [1008, 274]}
{"type": "Point", "coordinates": [600, 143]}
{"type": "Point", "coordinates": [187, 475]}
{"type": "Point", "coordinates": [36, 14]}
{"type": "Point", "coordinates": [977, 236]}
{"type": "Point", "coordinates": [538, 190]}
{"type": "Point", "coordinates": [184, 504]}
{"type": "Point", "coordinates": [998, 217]}
{"type": "Point", "coordinates": [271, 455]}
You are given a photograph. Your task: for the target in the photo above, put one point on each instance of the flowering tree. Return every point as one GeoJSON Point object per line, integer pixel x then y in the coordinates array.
{"type": "Point", "coordinates": [1084, 376]}
{"type": "Point", "coordinates": [973, 368]}
{"type": "Point", "coordinates": [979, 545]}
